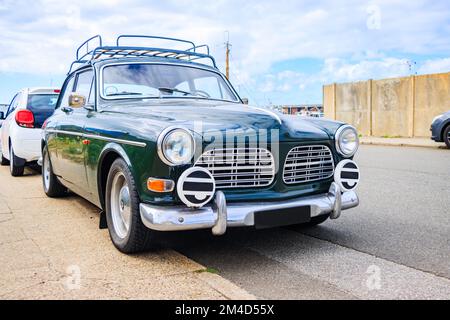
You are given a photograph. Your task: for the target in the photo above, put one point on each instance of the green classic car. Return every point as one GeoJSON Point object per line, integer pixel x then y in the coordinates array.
{"type": "Point", "coordinates": [160, 141]}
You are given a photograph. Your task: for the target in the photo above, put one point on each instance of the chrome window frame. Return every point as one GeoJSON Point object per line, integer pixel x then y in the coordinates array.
{"type": "Point", "coordinates": [100, 81]}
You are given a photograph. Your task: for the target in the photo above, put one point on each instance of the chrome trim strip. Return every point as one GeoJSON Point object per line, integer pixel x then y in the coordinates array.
{"type": "Point", "coordinates": [129, 142]}
{"type": "Point", "coordinates": [70, 133]}
{"type": "Point", "coordinates": [177, 218]}
{"type": "Point", "coordinates": [98, 137]}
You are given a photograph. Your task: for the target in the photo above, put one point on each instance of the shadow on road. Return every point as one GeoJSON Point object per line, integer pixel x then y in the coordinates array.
{"type": "Point", "coordinates": [243, 256]}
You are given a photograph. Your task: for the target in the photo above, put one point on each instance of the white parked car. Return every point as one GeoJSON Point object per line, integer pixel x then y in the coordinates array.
{"type": "Point", "coordinates": [21, 128]}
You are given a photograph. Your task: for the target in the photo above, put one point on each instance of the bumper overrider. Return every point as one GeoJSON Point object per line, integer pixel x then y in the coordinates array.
{"type": "Point", "coordinates": [218, 215]}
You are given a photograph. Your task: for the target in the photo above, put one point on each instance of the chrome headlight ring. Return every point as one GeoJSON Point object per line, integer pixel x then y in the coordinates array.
{"type": "Point", "coordinates": [347, 141]}
{"type": "Point", "coordinates": [176, 146]}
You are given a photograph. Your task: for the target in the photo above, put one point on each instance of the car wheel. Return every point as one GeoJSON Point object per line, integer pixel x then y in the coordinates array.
{"type": "Point", "coordinates": [16, 170]}
{"type": "Point", "coordinates": [5, 161]}
{"type": "Point", "coordinates": [125, 226]}
{"type": "Point", "coordinates": [447, 136]}
{"type": "Point", "coordinates": [52, 187]}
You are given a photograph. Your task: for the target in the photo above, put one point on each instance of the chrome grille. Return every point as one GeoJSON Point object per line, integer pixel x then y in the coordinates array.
{"type": "Point", "coordinates": [308, 163]}
{"type": "Point", "coordinates": [239, 167]}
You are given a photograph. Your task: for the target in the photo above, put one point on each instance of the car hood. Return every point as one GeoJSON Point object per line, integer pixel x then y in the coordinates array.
{"type": "Point", "coordinates": [205, 117]}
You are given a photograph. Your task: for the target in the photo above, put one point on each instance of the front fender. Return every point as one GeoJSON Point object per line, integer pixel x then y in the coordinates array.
{"type": "Point", "coordinates": [110, 152]}
{"type": "Point", "coordinates": [115, 147]}
{"type": "Point", "coordinates": [442, 128]}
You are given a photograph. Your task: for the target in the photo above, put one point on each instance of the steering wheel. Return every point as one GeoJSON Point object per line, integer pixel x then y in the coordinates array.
{"type": "Point", "coordinates": [202, 93]}
{"type": "Point", "coordinates": [111, 90]}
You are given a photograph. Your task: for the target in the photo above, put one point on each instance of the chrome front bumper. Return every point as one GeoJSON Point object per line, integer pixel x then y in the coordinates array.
{"type": "Point", "coordinates": [219, 215]}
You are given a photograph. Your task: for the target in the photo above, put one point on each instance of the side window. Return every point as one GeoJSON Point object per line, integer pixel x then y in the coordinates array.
{"type": "Point", "coordinates": [84, 84]}
{"type": "Point", "coordinates": [226, 93]}
{"type": "Point", "coordinates": [67, 91]}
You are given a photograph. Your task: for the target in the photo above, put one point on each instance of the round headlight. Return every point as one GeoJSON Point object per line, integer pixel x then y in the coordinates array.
{"type": "Point", "coordinates": [176, 146]}
{"type": "Point", "coordinates": [347, 141]}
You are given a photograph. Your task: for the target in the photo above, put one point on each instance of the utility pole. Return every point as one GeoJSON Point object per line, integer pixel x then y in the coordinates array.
{"type": "Point", "coordinates": [228, 46]}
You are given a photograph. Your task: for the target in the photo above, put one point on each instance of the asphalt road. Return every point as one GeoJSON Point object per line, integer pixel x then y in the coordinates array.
{"type": "Point", "coordinates": [395, 245]}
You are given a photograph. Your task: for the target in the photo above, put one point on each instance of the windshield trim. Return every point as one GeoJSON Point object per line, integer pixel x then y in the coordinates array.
{"type": "Point", "coordinates": [100, 85]}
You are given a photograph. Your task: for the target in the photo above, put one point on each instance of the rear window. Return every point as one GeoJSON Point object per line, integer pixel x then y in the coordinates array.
{"type": "Point", "coordinates": [42, 106]}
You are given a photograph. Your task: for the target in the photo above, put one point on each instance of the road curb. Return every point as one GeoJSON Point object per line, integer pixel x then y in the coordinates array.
{"type": "Point", "coordinates": [225, 287]}
{"type": "Point", "coordinates": [399, 144]}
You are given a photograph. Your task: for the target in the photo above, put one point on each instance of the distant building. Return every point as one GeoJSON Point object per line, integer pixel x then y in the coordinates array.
{"type": "Point", "coordinates": [308, 110]}
{"type": "Point", "coordinates": [302, 109]}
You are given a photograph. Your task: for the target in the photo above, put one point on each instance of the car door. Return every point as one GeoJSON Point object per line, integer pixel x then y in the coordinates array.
{"type": "Point", "coordinates": [55, 141]}
{"type": "Point", "coordinates": [7, 124]}
{"type": "Point", "coordinates": [70, 129]}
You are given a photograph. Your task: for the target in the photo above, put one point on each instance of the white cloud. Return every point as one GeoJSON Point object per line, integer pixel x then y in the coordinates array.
{"type": "Point", "coordinates": [355, 40]}
{"type": "Point", "coordinates": [263, 32]}
{"type": "Point", "coordinates": [341, 70]}
{"type": "Point", "coordinates": [435, 66]}
{"type": "Point", "coordinates": [283, 81]}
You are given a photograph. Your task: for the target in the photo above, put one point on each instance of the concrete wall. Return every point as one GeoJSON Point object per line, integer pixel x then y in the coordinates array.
{"type": "Point", "coordinates": [329, 101]}
{"type": "Point", "coordinates": [392, 103]}
{"type": "Point", "coordinates": [353, 105]}
{"type": "Point", "coordinates": [402, 107]}
{"type": "Point", "coordinates": [431, 97]}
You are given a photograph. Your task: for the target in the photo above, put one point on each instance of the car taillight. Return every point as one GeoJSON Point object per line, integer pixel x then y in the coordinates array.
{"type": "Point", "coordinates": [25, 118]}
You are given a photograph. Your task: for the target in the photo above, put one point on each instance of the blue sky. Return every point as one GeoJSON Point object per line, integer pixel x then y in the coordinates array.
{"type": "Point", "coordinates": [283, 51]}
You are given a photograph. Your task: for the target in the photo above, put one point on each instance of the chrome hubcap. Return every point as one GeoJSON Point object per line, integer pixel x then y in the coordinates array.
{"type": "Point", "coordinates": [120, 205]}
{"type": "Point", "coordinates": [46, 172]}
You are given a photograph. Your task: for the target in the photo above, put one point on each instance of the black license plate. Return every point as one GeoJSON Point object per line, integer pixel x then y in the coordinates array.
{"type": "Point", "coordinates": [282, 217]}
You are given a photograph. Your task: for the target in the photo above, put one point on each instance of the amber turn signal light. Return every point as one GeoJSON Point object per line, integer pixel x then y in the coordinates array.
{"type": "Point", "coordinates": [160, 185]}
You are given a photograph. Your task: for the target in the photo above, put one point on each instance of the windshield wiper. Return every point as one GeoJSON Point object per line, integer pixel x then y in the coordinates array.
{"type": "Point", "coordinates": [172, 90]}
{"type": "Point", "coordinates": [124, 93]}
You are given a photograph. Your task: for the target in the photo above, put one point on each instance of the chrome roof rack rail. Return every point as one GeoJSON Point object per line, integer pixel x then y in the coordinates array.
{"type": "Point", "coordinates": [118, 51]}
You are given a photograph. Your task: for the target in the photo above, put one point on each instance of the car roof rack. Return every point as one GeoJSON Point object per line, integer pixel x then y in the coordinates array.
{"type": "Point", "coordinates": [97, 52]}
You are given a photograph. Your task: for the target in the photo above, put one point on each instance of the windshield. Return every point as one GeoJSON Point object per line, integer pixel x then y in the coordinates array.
{"type": "Point", "coordinates": [141, 80]}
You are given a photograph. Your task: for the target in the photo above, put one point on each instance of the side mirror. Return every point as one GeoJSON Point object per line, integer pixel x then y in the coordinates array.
{"type": "Point", "coordinates": [245, 100]}
{"type": "Point", "coordinates": [2, 115]}
{"type": "Point", "coordinates": [77, 100]}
